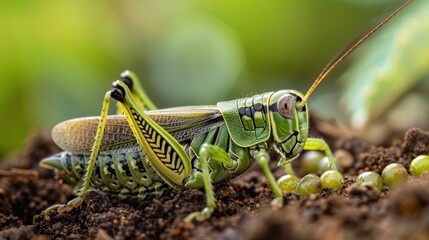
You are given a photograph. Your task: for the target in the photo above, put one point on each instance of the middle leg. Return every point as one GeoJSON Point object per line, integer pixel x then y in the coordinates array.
{"type": "Point", "coordinates": [207, 152]}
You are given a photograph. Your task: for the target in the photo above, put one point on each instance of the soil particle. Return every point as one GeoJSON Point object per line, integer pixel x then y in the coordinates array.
{"type": "Point", "coordinates": [412, 200]}
{"type": "Point", "coordinates": [416, 142]}
{"type": "Point", "coordinates": [243, 205]}
{"type": "Point", "coordinates": [22, 232]}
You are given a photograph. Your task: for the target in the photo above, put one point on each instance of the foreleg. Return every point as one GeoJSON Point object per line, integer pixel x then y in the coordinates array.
{"type": "Point", "coordinates": [263, 158]}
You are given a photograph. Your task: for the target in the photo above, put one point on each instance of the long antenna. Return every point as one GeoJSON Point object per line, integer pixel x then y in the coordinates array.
{"type": "Point", "coordinates": [331, 66]}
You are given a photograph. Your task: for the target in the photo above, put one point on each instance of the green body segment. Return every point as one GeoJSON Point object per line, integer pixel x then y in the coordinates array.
{"type": "Point", "coordinates": [247, 119]}
{"type": "Point", "coordinates": [121, 174]}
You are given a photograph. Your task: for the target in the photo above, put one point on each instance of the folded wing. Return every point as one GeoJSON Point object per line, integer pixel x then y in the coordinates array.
{"type": "Point", "coordinates": [183, 123]}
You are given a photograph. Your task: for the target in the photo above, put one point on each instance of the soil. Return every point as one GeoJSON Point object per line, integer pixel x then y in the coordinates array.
{"type": "Point", "coordinates": [243, 204]}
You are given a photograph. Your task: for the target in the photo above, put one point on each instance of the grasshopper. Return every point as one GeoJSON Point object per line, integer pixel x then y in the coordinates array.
{"type": "Point", "coordinates": [145, 151]}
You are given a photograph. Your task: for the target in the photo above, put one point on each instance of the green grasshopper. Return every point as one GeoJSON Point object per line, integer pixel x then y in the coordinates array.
{"type": "Point", "coordinates": [146, 151]}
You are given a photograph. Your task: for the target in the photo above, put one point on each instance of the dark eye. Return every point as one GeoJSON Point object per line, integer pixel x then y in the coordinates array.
{"type": "Point", "coordinates": [286, 105]}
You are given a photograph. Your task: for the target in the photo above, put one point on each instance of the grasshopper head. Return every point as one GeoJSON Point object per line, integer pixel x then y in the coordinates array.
{"type": "Point", "coordinates": [289, 123]}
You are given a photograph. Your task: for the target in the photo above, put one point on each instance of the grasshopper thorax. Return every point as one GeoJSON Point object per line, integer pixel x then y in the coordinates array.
{"type": "Point", "coordinates": [289, 123]}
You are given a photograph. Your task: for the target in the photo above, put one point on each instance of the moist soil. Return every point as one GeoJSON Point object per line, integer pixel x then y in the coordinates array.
{"type": "Point", "coordinates": [243, 205]}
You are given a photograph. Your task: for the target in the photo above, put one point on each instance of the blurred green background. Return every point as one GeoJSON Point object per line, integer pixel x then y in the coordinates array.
{"type": "Point", "coordinates": [58, 58]}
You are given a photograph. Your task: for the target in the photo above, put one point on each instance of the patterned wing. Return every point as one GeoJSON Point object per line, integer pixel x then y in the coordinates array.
{"type": "Point", "coordinates": [183, 123]}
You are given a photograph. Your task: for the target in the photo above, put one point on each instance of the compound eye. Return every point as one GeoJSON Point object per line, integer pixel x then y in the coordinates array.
{"type": "Point", "coordinates": [286, 106]}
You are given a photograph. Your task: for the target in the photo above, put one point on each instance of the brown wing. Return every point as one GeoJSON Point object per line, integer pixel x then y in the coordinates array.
{"type": "Point", "coordinates": [183, 123]}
